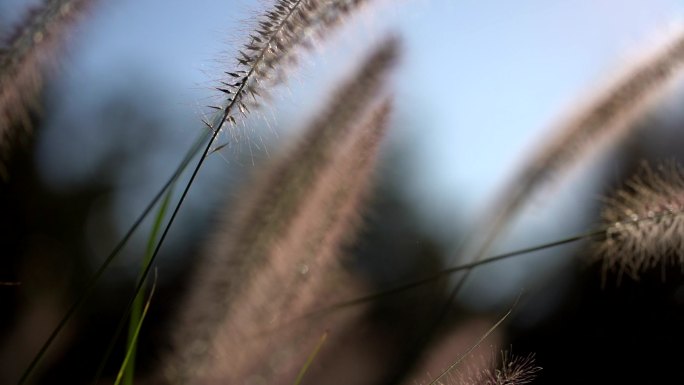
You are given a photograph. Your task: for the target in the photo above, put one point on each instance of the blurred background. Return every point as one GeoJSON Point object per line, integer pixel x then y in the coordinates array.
{"type": "Point", "coordinates": [480, 85]}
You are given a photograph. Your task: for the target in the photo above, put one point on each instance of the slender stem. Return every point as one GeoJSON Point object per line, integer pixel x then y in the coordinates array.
{"type": "Point", "coordinates": [310, 359]}
{"type": "Point", "coordinates": [136, 314]}
{"type": "Point", "coordinates": [110, 258]}
{"type": "Point", "coordinates": [455, 269]}
{"type": "Point", "coordinates": [146, 271]}
{"type": "Point", "coordinates": [130, 351]}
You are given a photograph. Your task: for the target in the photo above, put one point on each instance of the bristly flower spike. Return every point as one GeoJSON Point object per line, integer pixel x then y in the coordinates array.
{"type": "Point", "coordinates": [604, 120]}
{"type": "Point", "coordinates": [278, 35]}
{"type": "Point", "coordinates": [282, 33]}
{"type": "Point", "coordinates": [644, 222]}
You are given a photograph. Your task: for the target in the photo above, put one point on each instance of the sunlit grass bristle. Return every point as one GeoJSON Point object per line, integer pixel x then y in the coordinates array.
{"type": "Point", "coordinates": [281, 34]}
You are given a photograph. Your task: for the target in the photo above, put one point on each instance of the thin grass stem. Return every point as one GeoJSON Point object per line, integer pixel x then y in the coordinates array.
{"type": "Point", "coordinates": [310, 359]}
{"type": "Point", "coordinates": [126, 365]}
{"type": "Point", "coordinates": [138, 312]}
{"type": "Point", "coordinates": [87, 290]}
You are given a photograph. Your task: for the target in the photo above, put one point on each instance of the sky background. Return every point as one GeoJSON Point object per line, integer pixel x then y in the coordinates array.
{"type": "Point", "coordinates": [480, 83]}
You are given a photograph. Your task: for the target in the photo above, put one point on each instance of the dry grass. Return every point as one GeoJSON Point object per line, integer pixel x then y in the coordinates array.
{"type": "Point", "coordinates": [251, 312]}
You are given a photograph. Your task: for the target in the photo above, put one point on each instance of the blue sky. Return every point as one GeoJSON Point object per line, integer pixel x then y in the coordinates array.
{"type": "Point", "coordinates": [481, 82]}
{"type": "Point", "coordinates": [484, 78]}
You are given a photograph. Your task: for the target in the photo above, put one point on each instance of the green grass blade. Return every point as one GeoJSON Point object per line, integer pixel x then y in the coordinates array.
{"type": "Point", "coordinates": [130, 351]}
{"type": "Point", "coordinates": [146, 270]}
{"type": "Point", "coordinates": [136, 312]}
{"type": "Point", "coordinates": [95, 278]}
{"type": "Point", "coordinates": [309, 360]}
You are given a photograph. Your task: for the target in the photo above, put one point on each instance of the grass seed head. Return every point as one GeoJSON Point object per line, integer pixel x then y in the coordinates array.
{"type": "Point", "coordinates": [644, 222]}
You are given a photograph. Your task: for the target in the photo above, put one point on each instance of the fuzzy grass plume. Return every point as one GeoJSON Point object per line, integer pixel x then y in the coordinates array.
{"type": "Point", "coordinates": [247, 280]}
{"type": "Point", "coordinates": [603, 120]}
{"type": "Point", "coordinates": [272, 49]}
{"type": "Point", "coordinates": [264, 58]}
{"type": "Point", "coordinates": [645, 222]}
{"type": "Point", "coordinates": [23, 56]}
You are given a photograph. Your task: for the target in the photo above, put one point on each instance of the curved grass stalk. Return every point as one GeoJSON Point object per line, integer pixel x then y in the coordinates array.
{"type": "Point", "coordinates": [310, 359]}
{"type": "Point", "coordinates": [614, 237]}
{"type": "Point", "coordinates": [139, 306]}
